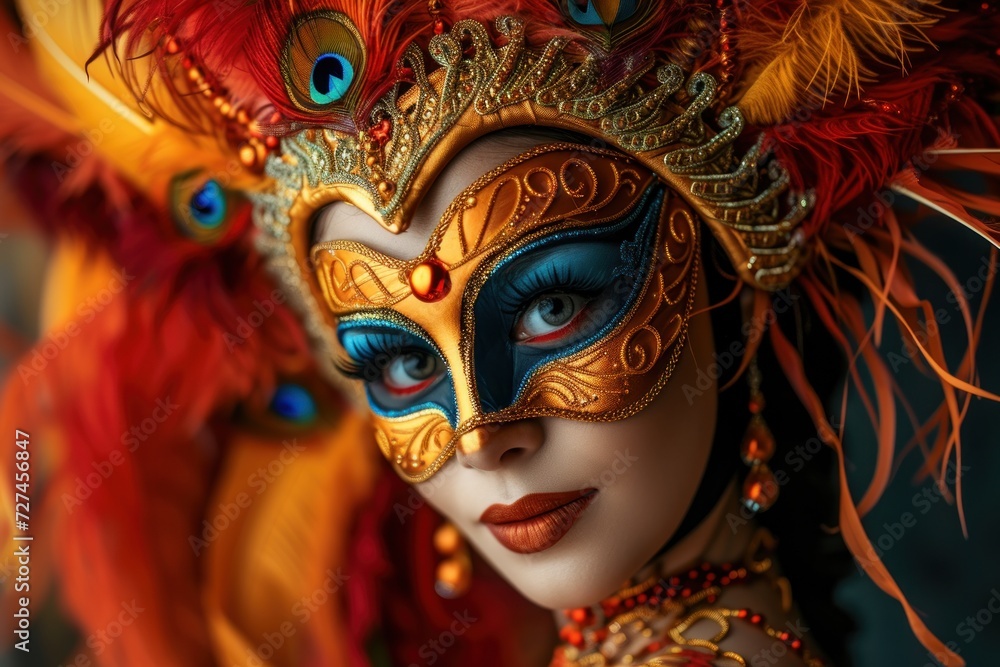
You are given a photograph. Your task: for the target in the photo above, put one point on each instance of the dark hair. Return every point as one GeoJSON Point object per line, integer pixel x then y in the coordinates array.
{"type": "Point", "coordinates": [810, 555]}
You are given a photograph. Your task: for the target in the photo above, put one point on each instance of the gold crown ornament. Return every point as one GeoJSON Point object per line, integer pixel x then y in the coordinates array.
{"type": "Point", "coordinates": [641, 133]}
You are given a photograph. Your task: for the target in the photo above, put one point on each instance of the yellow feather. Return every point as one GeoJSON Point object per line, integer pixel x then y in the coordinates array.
{"type": "Point", "coordinates": [826, 49]}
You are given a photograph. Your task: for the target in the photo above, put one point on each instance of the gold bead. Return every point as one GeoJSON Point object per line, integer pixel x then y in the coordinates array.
{"type": "Point", "coordinates": [447, 539]}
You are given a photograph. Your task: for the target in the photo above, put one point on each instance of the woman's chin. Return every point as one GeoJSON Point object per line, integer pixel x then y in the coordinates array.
{"type": "Point", "coordinates": [562, 578]}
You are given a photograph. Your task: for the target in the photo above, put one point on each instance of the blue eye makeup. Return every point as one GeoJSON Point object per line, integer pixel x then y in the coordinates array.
{"type": "Point", "coordinates": [557, 296]}
{"type": "Point", "coordinates": [547, 300]}
{"type": "Point", "coordinates": [402, 371]}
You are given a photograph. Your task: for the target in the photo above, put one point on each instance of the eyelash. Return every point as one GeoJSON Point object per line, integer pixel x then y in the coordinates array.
{"type": "Point", "coordinates": [369, 349]}
{"type": "Point", "coordinates": [551, 276]}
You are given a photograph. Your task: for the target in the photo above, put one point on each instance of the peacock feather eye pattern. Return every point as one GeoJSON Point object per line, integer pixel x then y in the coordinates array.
{"type": "Point", "coordinates": [207, 205]}
{"type": "Point", "coordinates": [293, 403]}
{"type": "Point", "coordinates": [608, 21]}
{"type": "Point", "coordinates": [323, 61]}
{"type": "Point", "coordinates": [202, 209]}
{"type": "Point", "coordinates": [596, 12]}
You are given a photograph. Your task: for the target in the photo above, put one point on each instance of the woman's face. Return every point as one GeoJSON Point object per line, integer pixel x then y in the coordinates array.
{"type": "Point", "coordinates": [565, 509]}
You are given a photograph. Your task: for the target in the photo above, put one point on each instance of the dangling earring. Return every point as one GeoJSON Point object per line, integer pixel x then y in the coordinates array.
{"type": "Point", "coordinates": [760, 489]}
{"type": "Point", "coordinates": [454, 573]}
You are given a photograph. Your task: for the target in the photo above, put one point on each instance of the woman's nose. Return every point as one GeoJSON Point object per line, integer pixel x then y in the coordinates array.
{"type": "Point", "coordinates": [490, 447]}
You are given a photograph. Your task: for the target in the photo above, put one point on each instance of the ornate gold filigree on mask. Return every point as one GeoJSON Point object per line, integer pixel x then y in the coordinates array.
{"type": "Point", "coordinates": [547, 191]}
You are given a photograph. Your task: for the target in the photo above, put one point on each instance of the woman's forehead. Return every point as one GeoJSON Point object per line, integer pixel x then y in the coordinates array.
{"type": "Point", "coordinates": [340, 221]}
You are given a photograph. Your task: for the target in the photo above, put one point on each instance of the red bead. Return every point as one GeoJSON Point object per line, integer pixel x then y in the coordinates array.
{"type": "Point", "coordinates": [757, 403]}
{"type": "Point", "coordinates": [430, 281]}
{"type": "Point", "coordinates": [438, 26]}
{"type": "Point", "coordinates": [796, 644]}
{"type": "Point", "coordinates": [582, 616]}
{"type": "Point", "coordinates": [742, 613]}
{"type": "Point", "coordinates": [571, 635]}
{"type": "Point", "coordinates": [756, 619]}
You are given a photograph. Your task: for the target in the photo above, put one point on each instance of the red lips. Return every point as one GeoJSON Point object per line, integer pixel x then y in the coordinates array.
{"type": "Point", "coordinates": [536, 521]}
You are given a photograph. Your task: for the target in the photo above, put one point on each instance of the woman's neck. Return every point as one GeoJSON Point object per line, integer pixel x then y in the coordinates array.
{"type": "Point", "coordinates": [708, 595]}
{"type": "Point", "coordinates": [717, 539]}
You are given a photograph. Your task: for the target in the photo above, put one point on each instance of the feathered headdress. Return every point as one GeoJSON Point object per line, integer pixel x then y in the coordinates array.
{"type": "Point", "coordinates": [786, 124]}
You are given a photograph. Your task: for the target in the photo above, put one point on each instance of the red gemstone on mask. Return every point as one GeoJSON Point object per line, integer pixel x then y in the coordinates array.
{"type": "Point", "coordinates": [430, 281]}
{"type": "Point", "coordinates": [381, 132]}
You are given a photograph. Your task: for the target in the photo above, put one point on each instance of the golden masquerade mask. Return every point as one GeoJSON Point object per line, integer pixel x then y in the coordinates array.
{"type": "Point", "coordinates": [558, 284]}
{"type": "Point", "coordinates": [425, 318]}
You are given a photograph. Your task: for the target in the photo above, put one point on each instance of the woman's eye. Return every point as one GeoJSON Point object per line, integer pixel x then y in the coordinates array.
{"type": "Point", "coordinates": [549, 319]}
{"type": "Point", "coordinates": [412, 372]}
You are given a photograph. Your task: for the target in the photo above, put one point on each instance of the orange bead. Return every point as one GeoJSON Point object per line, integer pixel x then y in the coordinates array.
{"type": "Point", "coordinates": [758, 442]}
{"type": "Point", "coordinates": [453, 577]}
{"type": "Point", "coordinates": [760, 489]}
{"type": "Point", "coordinates": [430, 281]}
{"type": "Point", "coordinates": [447, 539]}
{"type": "Point", "coordinates": [248, 156]}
